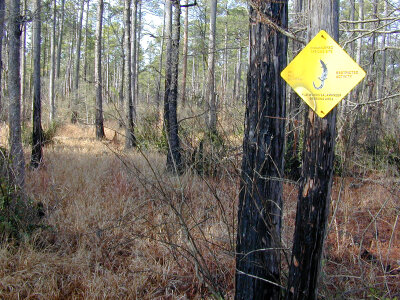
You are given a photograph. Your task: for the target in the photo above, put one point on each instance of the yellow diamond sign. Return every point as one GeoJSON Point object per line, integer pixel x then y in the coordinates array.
{"type": "Point", "coordinates": [322, 74]}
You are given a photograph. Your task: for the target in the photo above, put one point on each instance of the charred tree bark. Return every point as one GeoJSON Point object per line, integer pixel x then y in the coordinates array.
{"type": "Point", "coordinates": [37, 135]}
{"type": "Point", "coordinates": [53, 64]}
{"type": "Point", "coordinates": [317, 172]}
{"type": "Point", "coordinates": [174, 159]}
{"type": "Point", "coordinates": [260, 200]}
{"type": "Point", "coordinates": [2, 14]}
{"type": "Point", "coordinates": [130, 140]}
{"type": "Point", "coordinates": [98, 78]}
{"type": "Point", "coordinates": [211, 99]}
{"type": "Point", "coordinates": [14, 92]}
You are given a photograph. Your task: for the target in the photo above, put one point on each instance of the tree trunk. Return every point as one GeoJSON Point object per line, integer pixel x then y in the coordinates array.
{"type": "Point", "coordinates": [185, 53]}
{"type": "Point", "coordinates": [211, 99]}
{"type": "Point", "coordinates": [23, 69]}
{"type": "Point", "coordinates": [2, 14]}
{"type": "Point", "coordinates": [97, 67]}
{"type": "Point", "coordinates": [130, 140]}
{"type": "Point", "coordinates": [158, 94]}
{"type": "Point", "coordinates": [121, 86]}
{"type": "Point", "coordinates": [53, 64]}
{"type": "Point", "coordinates": [85, 59]}
{"type": "Point", "coordinates": [74, 117]}
{"type": "Point", "coordinates": [14, 92]}
{"type": "Point", "coordinates": [225, 69]}
{"type": "Point", "coordinates": [359, 46]}
{"type": "Point", "coordinates": [238, 75]}
{"type": "Point", "coordinates": [60, 38]}
{"type": "Point", "coordinates": [292, 159]}
{"type": "Point", "coordinates": [258, 244]}
{"type": "Point", "coordinates": [134, 57]}
{"type": "Point", "coordinates": [317, 172]}
{"type": "Point", "coordinates": [138, 37]}
{"type": "Point", "coordinates": [174, 160]}
{"type": "Point", "coordinates": [37, 136]}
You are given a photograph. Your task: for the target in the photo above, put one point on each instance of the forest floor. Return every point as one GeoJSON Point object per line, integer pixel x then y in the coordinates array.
{"type": "Point", "coordinates": [119, 227]}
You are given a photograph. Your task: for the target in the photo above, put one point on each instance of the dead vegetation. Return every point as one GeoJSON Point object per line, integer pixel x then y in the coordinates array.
{"type": "Point", "coordinates": [119, 227]}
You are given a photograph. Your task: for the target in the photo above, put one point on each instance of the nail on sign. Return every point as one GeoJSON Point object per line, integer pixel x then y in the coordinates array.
{"type": "Point", "coordinates": [322, 74]}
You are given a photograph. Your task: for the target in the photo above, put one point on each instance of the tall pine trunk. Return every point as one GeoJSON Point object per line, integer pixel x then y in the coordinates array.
{"type": "Point", "coordinates": [60, 39]}
{"type": "Point", "coordinates": [53, 64]}
{"type": "Point", "coordinates": [37, 135]}
{"type": "Point", "coordinates": [317, 172]}
{"type": "Point", "coordinates": [130, 140]}
{"type": "Point", "coordinates": [185, 54]}
{"type": "Point", "coordinates": [211, 99]}
{"type": "Point", "coordinates": [258, 247]}
{"type": "Point", "coordinates": [98, 78]}
{"type": "Point", "coordinates": [14, 92]}
{"type": "Point", "coordinates": [2, 14]}
{"type": "Point", "coordinates": [75, 109]}
{"type": "Point", "coordinates": [174, 160]}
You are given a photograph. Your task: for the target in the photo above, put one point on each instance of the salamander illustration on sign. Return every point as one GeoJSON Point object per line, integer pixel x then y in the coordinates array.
{"type": "Point", "coordinates": [323, 77]}
{"type": "Point", "coordinates": [322, 74]}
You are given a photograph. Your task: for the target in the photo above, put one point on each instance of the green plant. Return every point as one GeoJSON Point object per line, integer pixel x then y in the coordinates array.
{"type": "Point", "coordinates": [48, 134]}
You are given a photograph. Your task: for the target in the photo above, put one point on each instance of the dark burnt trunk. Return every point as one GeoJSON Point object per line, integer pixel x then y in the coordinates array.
{"type": "Point", "coordinates": [317, 172]}
{"type": "Point", "coordinates": [260, 199]}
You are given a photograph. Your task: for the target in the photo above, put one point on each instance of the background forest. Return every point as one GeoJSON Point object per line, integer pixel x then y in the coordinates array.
{"type": "Point", "coordinates": [99, 211]}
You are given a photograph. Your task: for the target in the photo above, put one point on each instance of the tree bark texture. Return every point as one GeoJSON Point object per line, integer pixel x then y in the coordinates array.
{"type": "Point", "coordinates": [2, 15]}
{"type": "Point", "coordinates": [174, 159]}
{"type": "Point", "coordinates": [98, 78]}
{"type": "Point", "coordinates": [14, 92]}
{"type": "Point", "coordinates": [37, 135]}
{"type": "Point", "coordinates": [211, 99]}
{"type": "Point", "coordinates": [133, 54]}
{"type": "Point", "coordinates": [53, 64]}
{"type": "Point", "coordinates": [60, 38]}
{"type": "Point", "coordinates": [85, 59]}
{"type": "Point", "coordinates": [130, 140]}
{"type": "Point", "coordinates": [185, 53]}
{"type": "Point", "coordinates": [260, 199]}
{"type": "Point", "coordinates": [75, 109]}
{"type": "Point", "coordinates": [317, 172]}
{"type": "Point", "coordinates": [24, 115]}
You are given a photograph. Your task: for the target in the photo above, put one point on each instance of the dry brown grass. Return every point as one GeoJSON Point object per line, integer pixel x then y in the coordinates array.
{"type": "Point", "coordinates": [123, 228]}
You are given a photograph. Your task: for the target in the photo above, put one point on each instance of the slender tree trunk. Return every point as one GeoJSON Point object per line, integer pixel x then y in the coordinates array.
{"type": "Point", "coordinates": [122, 78]}
{"type": "Point", "coordinates": [292, 159]}
{"type": "Point", "coordinates": [211, 99]}
{"type": "Point", "coordinates": [133, 54]}
{"type": "Point", "coordinates": [14, 92]}
{"type": "Point", "coordinates": [158, 94]}
{"type": "Point", "coordinates": [23, 68]}
{"type": "Point", "coordinates": [97, 67]}
{"type": "Point", "coordinates": [225, 69]}
{"type": "Point", "coordinates": [238, 75]}
{"type": "Point", "coordinates": [174, 160]}
{"type": "Point", "coordinates": [37, 135]}
{"type": "Point", "coordinates": [85, 59]}
{"type": "Point", "coordinates": [2, 15]}
{"type": "Point", "coordinates": [74, 117]}
{"type": "Point", "coordinates": [53, 64]}
{"type": "Point", "coordinates": [258, 244]}
{"type": "Point", "coordinates": [359, 45]}
{"type": "Point", "coordinates": [317, 173]}
{"type": "Point", "coordinates": [137, 63]}
{"type": "Point", "coordinates": [130, 140]}
{"type": "Point", "coordinates": [185, 53]}
{"type": "Point", "coordinates": [60, 38]}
